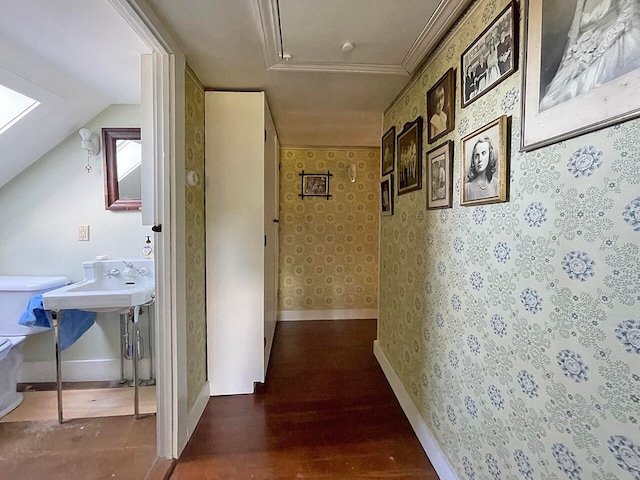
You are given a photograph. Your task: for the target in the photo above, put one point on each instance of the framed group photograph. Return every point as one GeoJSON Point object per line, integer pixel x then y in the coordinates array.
{"type": "Point", "coordinates": [388, 151]}
{"type": "Point", "coordinates": [485, 165]}
{"type": "Point", "coordinates": [441, 106]}
{"type": "Point", "coordinates": [491, 58]}
{"type": "Point", "coordinates": [315, 185]}
{"type": "Point", "coordinates": [410, 157]}
{"type": "Point", "coordinates": [386, 195]}
{"type": "Point", "coordinates": [580, 74]}
{"type": "Point", "coordinates": [439, 172]}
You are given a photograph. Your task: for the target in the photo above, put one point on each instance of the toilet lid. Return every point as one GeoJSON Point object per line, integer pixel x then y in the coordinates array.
{"type": "Point", "coordinates": [4, 344]}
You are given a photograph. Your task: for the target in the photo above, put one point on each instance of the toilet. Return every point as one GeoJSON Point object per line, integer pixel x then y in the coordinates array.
{"type": "Point", "coordinates": [15, 293]}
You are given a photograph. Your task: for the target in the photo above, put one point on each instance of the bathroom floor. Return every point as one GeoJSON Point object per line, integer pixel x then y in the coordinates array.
{"type": "Point", "coordinates": [114, 445]}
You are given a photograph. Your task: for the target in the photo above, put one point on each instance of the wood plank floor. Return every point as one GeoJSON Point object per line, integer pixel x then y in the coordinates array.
{"type": "Point", "coordinates": [325, 411]}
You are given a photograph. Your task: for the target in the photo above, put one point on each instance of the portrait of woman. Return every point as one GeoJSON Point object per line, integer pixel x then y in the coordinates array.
{"type": "Point", "coordinates": [481, 174]}
{"type": "Point", "coordinates": [485, 165]}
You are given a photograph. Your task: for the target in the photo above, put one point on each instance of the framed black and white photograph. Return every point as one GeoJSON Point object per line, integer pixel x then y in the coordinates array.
{"type": "Point", "coordinates": [388, 150]}
{"type": "Point", "coordinates": [315, 185]}
{"type": "Point", "coordinates": [491, 58]}
{"type": "Point", "coordinates": [439, 172]}
{"type": "Point", "coordinates": [441, 106]}
{"type": "Point", "coordinates": [386, 195]}
{"type": "Point", "coordinates": [485, 165]}
{"type": "Point", "coordinates": [580, 74]}
{"type": "Point", "coordinates": [410, 157]}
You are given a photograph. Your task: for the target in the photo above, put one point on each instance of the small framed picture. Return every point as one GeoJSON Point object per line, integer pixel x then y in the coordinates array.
{"type": "Point", "coordinates": [441, 106]}
{"type": "Point", "coordinates": [315, 185]}
{"type": "Point", "coordinates": [491, 58]}
{"type": "Point", "coordinates": [410, 157]}
{"type": "Point", "coordinates": [388, 151]}
{"type": "Point", "coordinates": [386, 195]}
{"type": "Point", "coordinates": [485, 166]}
{"type": "Point", "coordinates": [439, 173]}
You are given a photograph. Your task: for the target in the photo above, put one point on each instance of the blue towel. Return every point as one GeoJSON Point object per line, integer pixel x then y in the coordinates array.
{"type": "Point", "coordinates": [73, 323]}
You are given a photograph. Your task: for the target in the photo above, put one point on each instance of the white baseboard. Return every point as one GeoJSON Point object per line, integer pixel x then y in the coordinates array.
{"type": "Point", "coordinates": [198, 408]}
{"type": "Point", "coordinates": [107, 369]}
{"type": "Point", "coordinates": [437, 457]}
{"type": "Point", "coordinates": [337, 314]}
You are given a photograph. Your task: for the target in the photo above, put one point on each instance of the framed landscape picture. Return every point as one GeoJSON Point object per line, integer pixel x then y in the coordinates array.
{"type": "Point", "coordinates": [388, 151]}
{"type": "Point", "coordinates": [439, 172]}
{"type": "Point", "coordinates": [409, 155]}
{"type": "Point", "coordinates": [578, 76]}
{"type": "Point", "coordinates": [441, 106]}
{"type": "Point", "coordinates": [315, 185]}
{"type": "Point", "coordinates": [491, 58]}
{"type": "Point", "coordinates": [485, 165]}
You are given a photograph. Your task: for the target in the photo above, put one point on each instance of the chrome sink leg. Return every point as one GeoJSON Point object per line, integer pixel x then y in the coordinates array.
{"type": "Point", "coordinates": [133, 314]}
{"type": "Point", "coordinates": [55, 327]}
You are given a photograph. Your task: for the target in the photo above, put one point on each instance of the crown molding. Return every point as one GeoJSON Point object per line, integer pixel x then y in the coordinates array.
{"type": "Point", "coordinates": [447, 12]}
{"type": "Point", "coordinates": [340, 67]}
{"type": "Point", "coordinates": [436, 28]}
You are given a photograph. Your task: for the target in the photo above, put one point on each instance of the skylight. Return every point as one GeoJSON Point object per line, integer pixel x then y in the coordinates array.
{"type": "Point", "coordinates": [13, 106]}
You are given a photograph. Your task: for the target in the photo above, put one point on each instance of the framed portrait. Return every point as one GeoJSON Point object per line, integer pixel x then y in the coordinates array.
{"type": "Point", "coordinates": [388, 151]}
{"type": "Point", "coordinates": [578, 76]}
{"type": "Point", "coordinates": [439, 172]}
{"type": "Point", "coordinates": [441, 106]}
{"type": "Point", "coordinates": [386, 195]}
{"type": "Point", "coordinates": [410, 157]}
{"type": "Point", "coordinates": [491, 58]}
{"type": "Point", "coordinates": [485, 164]}
{"type": "Point", "coordinates": [315, 185]}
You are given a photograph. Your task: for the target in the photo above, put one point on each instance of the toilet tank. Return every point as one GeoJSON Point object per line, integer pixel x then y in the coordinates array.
{"type": "Point", "coordinates": [15, 293]}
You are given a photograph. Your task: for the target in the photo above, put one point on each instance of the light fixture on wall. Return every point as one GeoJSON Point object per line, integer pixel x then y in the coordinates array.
{"type": "Point", "coordinates": [91, 143]}
{"type": "Point", "coordinates": [192, 178]}
{"type": "Point", "coordinates": [353, 170]}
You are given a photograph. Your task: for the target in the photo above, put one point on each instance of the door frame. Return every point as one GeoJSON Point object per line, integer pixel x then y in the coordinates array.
{"type": "Point", "coordinates": [162, 127]}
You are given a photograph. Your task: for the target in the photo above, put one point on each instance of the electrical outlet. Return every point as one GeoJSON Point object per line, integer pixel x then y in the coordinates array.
{"type": "Point", "coordinates": [83, 233]}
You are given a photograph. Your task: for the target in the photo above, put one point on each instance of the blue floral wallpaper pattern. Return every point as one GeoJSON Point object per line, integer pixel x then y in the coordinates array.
{"type": "Point", "coordinates": [515, 327]}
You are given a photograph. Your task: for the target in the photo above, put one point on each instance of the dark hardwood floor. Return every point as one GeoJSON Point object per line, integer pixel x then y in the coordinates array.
{"type": "Point", "coordinates": [325, 411]}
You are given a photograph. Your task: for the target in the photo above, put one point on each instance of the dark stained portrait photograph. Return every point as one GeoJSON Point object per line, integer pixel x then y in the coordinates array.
{"type": "Point", "coordinates": [441, 106]}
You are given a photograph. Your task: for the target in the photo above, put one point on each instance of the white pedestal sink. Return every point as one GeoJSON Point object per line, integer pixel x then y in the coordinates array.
{"type": "Point", "coordinates": [113, 285]}
{"type": "Point", "coordinates": [108, 286]}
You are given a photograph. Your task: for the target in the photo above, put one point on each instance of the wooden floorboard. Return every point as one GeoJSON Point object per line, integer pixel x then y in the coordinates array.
{"type": "Point", "coordinates": [325, 411]}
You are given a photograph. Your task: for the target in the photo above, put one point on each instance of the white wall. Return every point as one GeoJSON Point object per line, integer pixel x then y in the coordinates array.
{"type": "Point", "coordinates": [40, 211]}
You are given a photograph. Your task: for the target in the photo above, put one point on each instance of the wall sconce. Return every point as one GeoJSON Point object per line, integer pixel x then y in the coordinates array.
{"type": "Point", "coordinates": [91, 143]}
{"type": "Point", "coordinates": [352, 172]}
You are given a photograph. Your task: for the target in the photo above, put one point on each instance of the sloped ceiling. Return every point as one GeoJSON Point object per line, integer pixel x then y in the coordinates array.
{"type": "Point", "coordinates": [76, 58]}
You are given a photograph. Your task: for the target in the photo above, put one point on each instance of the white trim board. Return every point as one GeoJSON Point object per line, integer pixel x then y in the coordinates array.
{"type": "Point", "coordinates": [343, 314]}
{"type": "Point", "coordinates": [431, 447]}
{"type": "Point", "coordinates": [197, 409]}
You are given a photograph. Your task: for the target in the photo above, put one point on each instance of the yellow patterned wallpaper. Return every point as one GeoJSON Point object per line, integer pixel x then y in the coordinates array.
{"type": "Point", "coordinates": [195, 244]}
{"type": "Point", "coordinates": [329, 248]}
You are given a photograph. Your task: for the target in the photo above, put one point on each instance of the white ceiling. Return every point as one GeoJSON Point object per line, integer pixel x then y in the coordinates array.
{"type": "Point", "coordinates": [79, 56]}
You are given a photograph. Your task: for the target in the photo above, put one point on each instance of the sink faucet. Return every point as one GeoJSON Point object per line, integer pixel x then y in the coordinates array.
{"type": "Point", "coordinates": [112, 272]}
{"type": "Point", "coordinates": [140, 271]}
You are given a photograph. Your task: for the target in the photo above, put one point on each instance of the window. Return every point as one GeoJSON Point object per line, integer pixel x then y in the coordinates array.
{"type": "Point", "coordinates": [13, 106]}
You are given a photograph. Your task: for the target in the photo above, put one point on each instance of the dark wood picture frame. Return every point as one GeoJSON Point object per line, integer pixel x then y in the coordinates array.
{"type": "Point", "coordinates": [110, 138]}
{"type": "Point", "coordinates": [491, 58]}
{"type": "Point", "coordinates": [409, 157]}
{"type": "Point", "coordinates": [441, 107]}
{"type": "Point", "coordinates": [439, 162]}
{"type": "Point", "coordinates": [388, 151]}
{"type": "Point", "coordinates": [386, 195]}
{"type": "Point", "coordinates": [315, 185]}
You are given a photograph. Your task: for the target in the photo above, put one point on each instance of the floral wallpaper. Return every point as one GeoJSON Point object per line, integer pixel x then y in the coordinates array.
{"type": "Point", "coordinates": [195, 241]}
{"type": "Point", "coordinates": [515, 327]}
{"type": "Point", "coordinates": [329, 248]}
